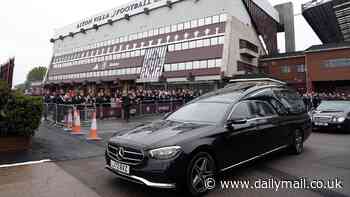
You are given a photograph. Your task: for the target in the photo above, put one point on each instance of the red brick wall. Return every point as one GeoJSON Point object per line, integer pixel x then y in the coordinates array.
{"type": "Point", "coordinates": [317, 73]}
{"type": "Point", "coordinates": [274, 68]}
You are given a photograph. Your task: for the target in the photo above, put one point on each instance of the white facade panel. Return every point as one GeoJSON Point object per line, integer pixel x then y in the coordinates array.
{"type": "Point", "coordinates": [182, 11]}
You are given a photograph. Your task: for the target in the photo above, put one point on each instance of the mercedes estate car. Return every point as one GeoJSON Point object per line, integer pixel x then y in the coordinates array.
{"type": "Point", "coordinates": [332, 114]}
{"type": "Point", "coordinates": [212, 134]}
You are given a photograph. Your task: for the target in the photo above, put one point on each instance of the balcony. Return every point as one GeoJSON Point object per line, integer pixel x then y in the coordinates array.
{"type": "Point", "coordinates": [248, 53]}
{"type": "Point", "coordinates": [248, 49]}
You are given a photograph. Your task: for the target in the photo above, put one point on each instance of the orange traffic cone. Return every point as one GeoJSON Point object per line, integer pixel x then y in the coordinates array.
{"type": "Point", "coordinates": [93, 132]}
{"type": "Point", "coordinates": [69, 121]}
{"type": "Point", "coordinates": [76, 128]}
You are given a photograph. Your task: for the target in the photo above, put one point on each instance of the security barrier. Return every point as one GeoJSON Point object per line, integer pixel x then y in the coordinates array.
{"type": "Point", "coordinates": [58, 113]}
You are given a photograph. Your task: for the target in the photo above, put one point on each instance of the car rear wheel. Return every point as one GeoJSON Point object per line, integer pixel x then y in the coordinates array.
{"type": "Point", "coordinates": [200, 174]}
{"type": "Point", "coordinates": [298, 144]}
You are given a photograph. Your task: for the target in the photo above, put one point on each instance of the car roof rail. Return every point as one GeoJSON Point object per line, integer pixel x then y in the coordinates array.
{"type": "Point", "coordinates": [254, 82]}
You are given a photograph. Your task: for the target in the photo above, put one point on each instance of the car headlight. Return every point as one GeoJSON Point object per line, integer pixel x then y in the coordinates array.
{"type": "Point", "coordinates": [334, 119]}
{"type": "Point", "coordinates": [341, 119]}
{"type": "Point", "coordinates": [165, 153]}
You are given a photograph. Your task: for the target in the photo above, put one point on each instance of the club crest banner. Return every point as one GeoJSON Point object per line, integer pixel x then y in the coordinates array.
{"type": "Point", "coordinates": [153, 64]}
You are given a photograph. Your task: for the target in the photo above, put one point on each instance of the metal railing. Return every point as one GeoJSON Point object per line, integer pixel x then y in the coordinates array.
{"type": "Point", "coordinates": [58, 113]}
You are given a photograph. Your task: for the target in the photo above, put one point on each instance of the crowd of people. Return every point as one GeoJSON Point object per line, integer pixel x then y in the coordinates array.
{"type": "Point", "coordinates": [137, 95]}
{"type": "Point", "coordinates": [106, 97]}
{"type": "Point", "coordinates": [314, 99]}
{"type": "Point", "coordinates": [125, 99]}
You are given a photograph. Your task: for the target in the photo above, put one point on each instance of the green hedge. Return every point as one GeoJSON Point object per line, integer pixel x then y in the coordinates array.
{"type": "Point", "coordinates": [20, 115]}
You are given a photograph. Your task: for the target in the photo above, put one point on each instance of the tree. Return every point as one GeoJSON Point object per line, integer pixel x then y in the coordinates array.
{"type": "Point", "coordinates": [36, 74]}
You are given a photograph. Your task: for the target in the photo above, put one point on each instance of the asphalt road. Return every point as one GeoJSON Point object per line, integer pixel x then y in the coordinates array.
{"type": "Point", "coordinates": [326, 156]}
{"type": "Point", "coordinates": [78, 170]}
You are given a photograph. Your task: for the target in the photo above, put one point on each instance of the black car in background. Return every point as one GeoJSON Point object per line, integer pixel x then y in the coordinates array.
{"type": "Point", "coordinates": [332, 114]}
{"type": "Point", "coordinates": [212, 134]}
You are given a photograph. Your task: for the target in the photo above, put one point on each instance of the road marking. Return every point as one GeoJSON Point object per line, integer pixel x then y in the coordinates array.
{"type": "Point", "coordinates": [24, 163]}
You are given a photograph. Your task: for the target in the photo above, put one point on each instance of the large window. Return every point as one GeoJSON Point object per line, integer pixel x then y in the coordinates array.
{"type": "Point", "coordinates": [337, 63]}
{"type": "Point", "coordinates": [301, 68]}
{"type": "Point", "coordinates": [285, 69]}
{"type": "Point", "coordinates": [196, 43]}
{"type": "Point", "coordinates": [203, 64]}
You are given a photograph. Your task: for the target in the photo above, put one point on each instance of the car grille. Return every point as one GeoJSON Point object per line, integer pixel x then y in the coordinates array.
{"type": "Point", "coordinates": [323, 119]}
{"type": "Point", "coordinates": [127, 155]}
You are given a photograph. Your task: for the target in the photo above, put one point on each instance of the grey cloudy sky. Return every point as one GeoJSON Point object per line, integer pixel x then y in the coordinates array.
{"type": "Point", "coordinates": [27, 26]}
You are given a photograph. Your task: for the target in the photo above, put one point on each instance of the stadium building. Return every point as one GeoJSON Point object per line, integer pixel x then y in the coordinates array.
{"type": "Point", "coordinates": [320, 68]}
{"type": "Point", "coordinates": [330, 19]}
{"type": "Point", "coordinates": [167, 43]}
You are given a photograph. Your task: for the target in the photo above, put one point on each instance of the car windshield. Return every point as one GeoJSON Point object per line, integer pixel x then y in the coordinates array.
{"type": "Point", "coordinates": [209, 112]}
{"type": "Point", "coordinates": [334, 105]}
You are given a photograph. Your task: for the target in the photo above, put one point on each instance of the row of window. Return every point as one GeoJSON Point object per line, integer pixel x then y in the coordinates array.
{"type": "Point", "coordinates": [105, 73]}
{"type": "Point", "coordinates": [336, 63]}
{"type": "Point", "coordinates": [121, 47]}
{"type": "Point", "coordinates": [287, 69]}
{"type": "Point", "coordinates": [118, 56]}
{"type": "Point", "coordinates": [136, 53]}
{"type": "Point", "coordinates": [212, 63]}
{"type": "Point", "coordinates": [197, 44]}
{"type": "Point", "coordinates": [140, 35]}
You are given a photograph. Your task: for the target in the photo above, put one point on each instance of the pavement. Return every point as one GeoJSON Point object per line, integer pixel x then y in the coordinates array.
{"type": "Point", "coordinates": [77, 168]}
{"type": "Point", "coordinates": [53, 143]}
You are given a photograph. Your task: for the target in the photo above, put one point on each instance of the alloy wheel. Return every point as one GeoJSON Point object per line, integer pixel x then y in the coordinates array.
{"type": "Point", "coordinates": [203, 168]}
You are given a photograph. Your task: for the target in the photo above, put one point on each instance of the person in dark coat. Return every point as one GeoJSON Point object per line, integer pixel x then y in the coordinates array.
{"type": "Point", "coordinates": [99, 106]}
{"type": "Point", "coordinates": [306, 100]}
{"type": "Point", "coordinates": [60, 107]}
{"type": "Point", "coordinates": [316, 101]}
{"type": "Point", "coordinates": [126, 106]}
{"type": "Point", "coordinates": [47, 101]}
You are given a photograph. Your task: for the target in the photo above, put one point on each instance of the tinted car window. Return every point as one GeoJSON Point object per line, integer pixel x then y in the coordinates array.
{"type": "Point", "coordinates": [291, 100]}
{"type": "Point", "coordinates": [278, 106]}
{"type": "Point", "coordinates": [200, 112]}
{"type": "Point", "coordinates": [265, 109]}
{"type": "Point", "coordinates": [242, 111]}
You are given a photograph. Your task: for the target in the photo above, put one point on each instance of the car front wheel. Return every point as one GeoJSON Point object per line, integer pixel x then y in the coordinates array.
{"type": "Point", "coordinates": [200, 174]}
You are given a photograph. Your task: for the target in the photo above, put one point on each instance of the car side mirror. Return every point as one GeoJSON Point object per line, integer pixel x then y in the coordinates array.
{"type": "Point", "coordinates": [230, 123]}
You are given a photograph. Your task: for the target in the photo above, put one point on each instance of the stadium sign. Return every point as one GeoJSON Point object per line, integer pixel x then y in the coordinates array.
{"type": "Point", "coordinates": [132, 8]}
{"type": "Point", "coordinates": [115, 13]}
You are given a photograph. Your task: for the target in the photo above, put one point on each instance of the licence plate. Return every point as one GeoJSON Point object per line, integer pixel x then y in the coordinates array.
{"type": "Point", "coordinates": [120, 167]}
{"type": "Point", "coordinates": [321, 124]}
